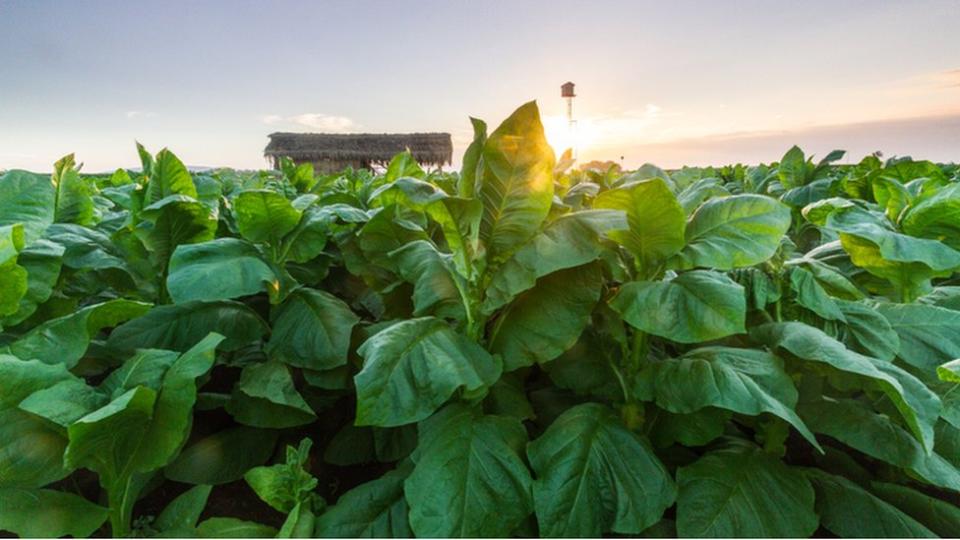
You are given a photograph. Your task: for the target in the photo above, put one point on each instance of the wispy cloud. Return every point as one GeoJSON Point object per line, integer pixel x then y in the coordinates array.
{"type": "Point", "coordinates": [951, 78]}
{"type": "Point", "coordinates": [131, 115]}
{"type": "Point", "coordinates": [319, 121]}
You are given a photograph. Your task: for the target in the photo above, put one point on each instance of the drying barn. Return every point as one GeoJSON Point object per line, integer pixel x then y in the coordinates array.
{"type": "Point", "coordinates": [333, 152]}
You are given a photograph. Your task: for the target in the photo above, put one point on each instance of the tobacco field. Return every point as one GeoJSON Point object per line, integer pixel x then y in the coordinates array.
{"type": "Point", "coordinates": [518, 349]}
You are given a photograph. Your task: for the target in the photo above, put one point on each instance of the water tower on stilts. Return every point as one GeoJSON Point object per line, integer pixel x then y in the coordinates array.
{"type": "Point", "coordinates": [567, 93]}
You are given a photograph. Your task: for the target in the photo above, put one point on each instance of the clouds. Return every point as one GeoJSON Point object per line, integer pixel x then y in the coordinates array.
{"type": "Point", "coordinates": [951, 78]}
{"type": "Point", "coordinates": [133, 115]}
{"type": "Point", "coordinates": [317, 121]}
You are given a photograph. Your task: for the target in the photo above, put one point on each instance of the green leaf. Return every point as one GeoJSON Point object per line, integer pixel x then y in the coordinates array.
{"type": "Point", "coordinates": [311, 329]}
{"type": "Point", "coordinates": [223, 457]}
{"type": "Point", "coordinates": [929, 335]}
{"type": "Point", "coordinates": [470, 479]}
{"type": "Point", "coordinates": [849, 511]}
{"type": "Point", "coordinates": [904, 260]}
{"type": "Point", "coordinates": [411, 368]}
{"type": "Point", "coordinates": [812, 296]}
{"type": "Point", "coordinates": [792, 170]}
{"type": "Point", "coordinates": [65, 339]}
{"type": "Point", "coordinates": [733, 232]}
{"type": "Point", "coordinates": [173, 221]}
{"type": "Point", "coordinates": [285, 485]}
{"type": "Point", "coordinates": [184, 511]}
{"type": "Point", "coordinates": [227, 527]}
{"type": "Point", "coordinates": [264, 216]}
{"type": "Point", "coordinates": [906, 169]}
{"type": "Point", "coordinates": [458, 218]}
{"type": "Point", "coordinates": [376, 509]}
{"type": "Point", "coordinates": [28, 199]}
{"type": "Point", "coordinates": [467, 184]}
{"type": "Point", "coordinates": [695, 194]}
{"type": "Point", "coordinates": [878, 436]}
{"type": "Point", "coordinates": [142, 414]}
{"type": "Point", "coordinates": [694, 306]}
{"type": "Point", "coordinates": [892, 197]}
{"type": "Point", "coordinates": [146, 159]}
{"type": "Point", "coordinates": [145, 368]}
{"type": "Point", "coordinates": [168, 176]}
{"type": "Point", "coordinates": [14, 281]}
{"type": "Point", "coordinates": [936, 218]}
{"type": "Point", "coordinates": [403, 164]}
{"type": "Point", "coordinates": [32, 513]}
{"type": "Point", "coordinates": [301, 176]}
{"type": "Point", "coordinates": [31, 451]}
{"type": "Point", "coordinates": [65, 402]}
{"type": "Point", "coordinates": [87, 249]}
{"type": "Point", "coordinates": [833, 281]}
{"type": "Point", "coordinates": [299, 523]}
{"type": "Point", "coordinates": [266, 397]}
{"type": "Point", "coordinates": [595, 476]}
{"type": "Point", "coordinates": [509, 398]}
{"type": "Point", "coordinates": [221, 269]}
{"type": "Point", "coordinates": [741, 380]}
{"type": "Point", "coordinates": [72, 194]}
{"type": "Point", "coordinates": [654, 217]}
{"type": "Point", "coordinates": [20, 378]}
{"type": "Point", "coordinates": [814, 191]}
{"type": "Point", "coordinates": [569, 241]}
{"type": "Point", "coordinates": [119, 427]}
{"type": "Point", "coordinates": [741, 491]}
{"type": "Point", "coordinates": [434, 279]}
{"type": "Point", "coordinates": [173, 415]}
{"type": "Point", "coordinates": [42, 262]}
{"type": "Point", "coordinates": [937, 515]}
{"type": "Point", "coordinates": [868, 331]}
{"type": "Point", "coordinates": [949, 372]}
{"type": "Point", "coordinates": [179, 327]}
{"type": "Point", "coordinates": [918, 405]}
{"type": "Point", "coordinates": [545, 321]}
{"type": "Point", "coordinates": [693, 429]}
{"type": "Point", "coordinates": [944, 296]}
{"type": "Point", "coordinates": [515, 183]}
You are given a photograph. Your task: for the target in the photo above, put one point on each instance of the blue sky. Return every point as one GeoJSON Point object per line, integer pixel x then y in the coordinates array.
{"type": "Point", "coordinates": [667, 82]}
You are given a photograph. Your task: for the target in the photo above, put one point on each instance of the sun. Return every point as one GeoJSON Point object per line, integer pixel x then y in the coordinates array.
{"type": "Point", "coordinates": [561, 135]}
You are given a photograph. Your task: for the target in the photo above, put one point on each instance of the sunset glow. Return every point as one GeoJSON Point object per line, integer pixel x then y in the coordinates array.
{"type": "Point", "coordinates": [699, 89]}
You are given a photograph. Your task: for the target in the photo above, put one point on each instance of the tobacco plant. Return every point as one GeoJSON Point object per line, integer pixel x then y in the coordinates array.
{"type": "Point", "coordinates": [517, 349]}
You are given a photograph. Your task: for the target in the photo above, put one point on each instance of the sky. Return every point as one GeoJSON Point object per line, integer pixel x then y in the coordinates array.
{"type": "Point", "coordinates": [667, 82]}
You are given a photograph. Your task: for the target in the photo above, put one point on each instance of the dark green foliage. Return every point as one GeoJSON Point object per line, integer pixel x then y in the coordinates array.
{"type": "Point", "coordinates": [519, 349]}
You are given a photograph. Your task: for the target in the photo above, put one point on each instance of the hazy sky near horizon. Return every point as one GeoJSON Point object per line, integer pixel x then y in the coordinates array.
{"type": "Point", "coordinates": [679, 82]}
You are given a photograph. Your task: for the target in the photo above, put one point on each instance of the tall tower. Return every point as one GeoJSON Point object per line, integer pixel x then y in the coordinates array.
{"type": "Point", "coordinates": [567, 93]}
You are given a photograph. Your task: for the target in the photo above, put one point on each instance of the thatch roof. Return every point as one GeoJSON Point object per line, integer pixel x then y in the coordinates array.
{"type": "Point", "coordinates": [427, 148]}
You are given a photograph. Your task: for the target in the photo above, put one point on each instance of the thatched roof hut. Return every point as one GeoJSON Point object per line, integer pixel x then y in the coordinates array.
{"type": "Point", "coordinates": [333, 152]}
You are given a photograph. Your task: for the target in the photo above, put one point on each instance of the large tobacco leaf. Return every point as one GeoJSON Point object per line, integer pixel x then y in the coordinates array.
{"type": "Point", "coordinates": [594, 476]}
{"type": "Point", "coordinates": [543, 322]}
{"type": "Point", "coordinates": [220, 269]}
{"type": "Point", "coordinates": [745, 381]}
{"type": "Point", "coordinates": [469, 479]}
{"type": "Point", "coordinates": [693, 307]}
{"type": "Point", "coordinates": [376, 509]}
{"type": "Point", "coordinates": [655, 220]}
{"type": "Point", "coordinates": [411, 368]}
{"type": "Point", "coordinates": [917, 404]}
{"type": "Point", "coordinates": [849, 511]}
{"type": "Point", "coordinates": [28, 199]}
{"type": "Point", "coordinates": [740, 491]}
{"type": "Point", "coordinates": [515, 182]}
{"type": "Point", "coordinates": [733, 232]}
{"type": "Point", "coordinates": [311, 329]}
